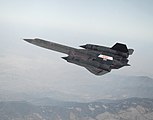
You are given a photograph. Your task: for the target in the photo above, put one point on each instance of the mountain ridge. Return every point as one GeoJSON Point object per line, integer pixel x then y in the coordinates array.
{"type": "Point", "coordinates": [131, 109]}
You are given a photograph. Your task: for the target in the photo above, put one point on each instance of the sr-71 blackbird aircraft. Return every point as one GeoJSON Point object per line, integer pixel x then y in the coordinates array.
{"type": "Point", "coordinates": [97, 59]}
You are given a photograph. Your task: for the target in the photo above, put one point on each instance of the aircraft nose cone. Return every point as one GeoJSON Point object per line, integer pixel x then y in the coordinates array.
{"type": "Point", "coordinates": [28, 40]}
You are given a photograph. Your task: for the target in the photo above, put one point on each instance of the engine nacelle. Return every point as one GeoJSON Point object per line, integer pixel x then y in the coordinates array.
{"type": "Point", "coordinates": [105, 49]}
{"type": "Point", "coordinates": [86, 63]}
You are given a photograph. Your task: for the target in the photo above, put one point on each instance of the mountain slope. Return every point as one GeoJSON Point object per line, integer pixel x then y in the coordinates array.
{"type": "Point", "coordinates": [126, 109]}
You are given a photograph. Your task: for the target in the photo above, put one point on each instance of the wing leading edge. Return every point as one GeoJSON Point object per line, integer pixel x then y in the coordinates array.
{"type": "Point", "coordinates": [96, 71]}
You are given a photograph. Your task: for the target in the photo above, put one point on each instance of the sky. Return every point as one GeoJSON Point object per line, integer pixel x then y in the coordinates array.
{"type": "Point", "coordinates": [73, 23]}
